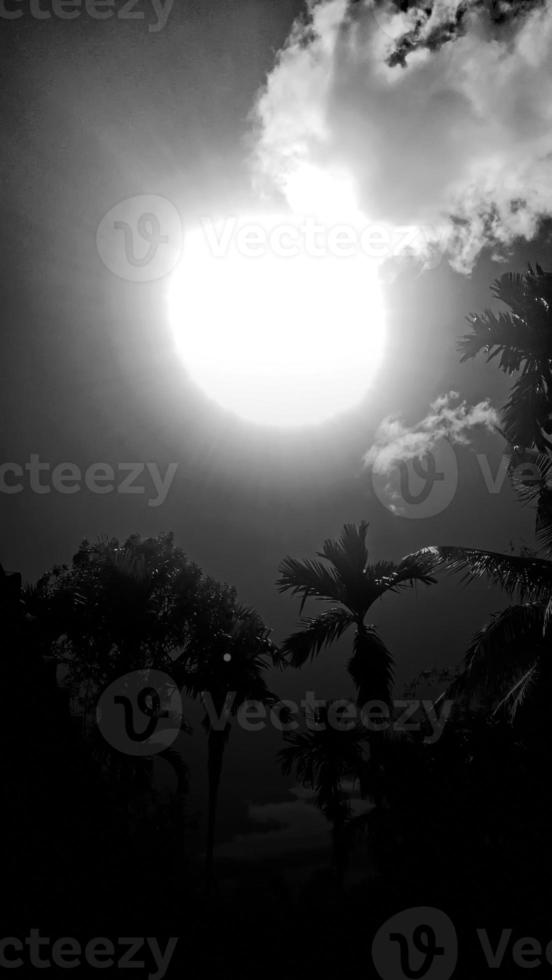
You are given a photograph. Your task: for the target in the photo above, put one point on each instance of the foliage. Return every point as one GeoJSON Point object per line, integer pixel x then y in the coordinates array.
{"type": "Point", "coordinates": [344, 575]}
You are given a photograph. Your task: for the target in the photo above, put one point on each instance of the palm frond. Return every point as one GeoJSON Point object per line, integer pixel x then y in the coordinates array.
{"type": "Point", "coordinates": [507, 644]}
{"type": "Point", "coordinates": [547, 615]}
{"type": "Point", "coordinates": [349, 552]}
{"type": "Point", "coordinates": [530, 577]}
{"type": "Point", "coordinates": [496, 335]}
{"type": "Point", "coordinates": [531, 475]}
{"type": "Point", "coordinates": [517, 695]}
{"type": "Point", "coordinates": [390, 577]}
{"type": "Point", "coordinates": [316, 633]}
{"type": "Point", "coordinates": [348, 555]}
{"type": "Point", "coordinates": [522, 341]}
{"type": "Point", "coordinates": [528, 409]}
{"type": "Point", "coordinates": [309, 579]}
{"type": "Point", "coordinates": [523, 333]}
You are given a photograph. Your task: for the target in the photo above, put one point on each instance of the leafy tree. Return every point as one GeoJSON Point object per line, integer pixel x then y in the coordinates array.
{"type": "Point", "coordinates": [119, 607]}
{"type": "Point", "coordinates": [123, 607]}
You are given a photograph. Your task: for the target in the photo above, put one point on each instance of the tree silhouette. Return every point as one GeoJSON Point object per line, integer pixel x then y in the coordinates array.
{"type": "Point", "coordinates": [120, 608]}
{"type": "Point", "coordinates": [227, 654]}
{"type": "Point", "coordinates": [522, 342]}
{"type": "Point", "coordinates": [325, 760]}
{"type": "Point", "coordinates": [507, 663]}
{"type": "Point", "coordinates": [345, 576]}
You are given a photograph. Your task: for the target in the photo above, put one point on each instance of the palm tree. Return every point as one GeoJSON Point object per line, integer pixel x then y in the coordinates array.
{"type": "Point", "coordinates": [223, 666]}
{"type": "Point", "coordinates": [347, 578]}
{"type": "Point", "coordinates": [522, 340]}
{"type": "Point", "coordinates": [507, 664]}
{"type": "Point", "coordinates": [325, 760]}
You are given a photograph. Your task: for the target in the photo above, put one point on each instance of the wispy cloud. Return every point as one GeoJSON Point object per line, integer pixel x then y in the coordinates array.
{"type": "Point", "coordinates": [448, 418]}
{"type": "Point", "coordinates": [438, 117]}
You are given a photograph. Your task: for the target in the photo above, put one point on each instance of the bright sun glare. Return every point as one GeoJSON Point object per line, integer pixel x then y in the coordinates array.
{"type": "Point", "coordinates": [281, 335]}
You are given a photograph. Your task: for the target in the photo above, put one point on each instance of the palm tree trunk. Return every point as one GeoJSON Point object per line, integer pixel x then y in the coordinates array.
{"type": "Point", "coordinates": [339, 849]}
{"type": "Point", "coordinates": [215, 752]}
{"type": "Point", "coordinates": [338, 812]}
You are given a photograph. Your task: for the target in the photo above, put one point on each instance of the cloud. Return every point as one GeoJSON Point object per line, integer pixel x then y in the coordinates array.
{"type": "Point", "coordinates": [440, 120]}
{"type": "Point", "coordinates": [289, 827]}
{"type": "Point", "coordinates": [396, 442]}
{"type": "Point", "coordinates": [294, 825]}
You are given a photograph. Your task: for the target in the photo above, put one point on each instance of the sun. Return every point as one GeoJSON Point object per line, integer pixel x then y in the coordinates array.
{"type": "Point", "coordinates": [274, 322]}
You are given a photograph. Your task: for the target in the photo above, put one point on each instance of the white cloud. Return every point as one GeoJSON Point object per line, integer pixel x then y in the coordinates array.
{"type": "Point", "coordinates": [457, 141]}
{"type": "Point", "coordinates": [396, 442]}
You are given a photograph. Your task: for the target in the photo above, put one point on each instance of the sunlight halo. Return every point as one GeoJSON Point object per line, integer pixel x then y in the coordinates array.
{"type": "Point", "coordinates": [274, 322]}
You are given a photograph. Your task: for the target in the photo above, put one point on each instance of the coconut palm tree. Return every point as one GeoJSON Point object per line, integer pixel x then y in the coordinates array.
{"type": "Point", "coordinates": [326, 760]}
{"type": "Point", "coordinates": [345, 577]}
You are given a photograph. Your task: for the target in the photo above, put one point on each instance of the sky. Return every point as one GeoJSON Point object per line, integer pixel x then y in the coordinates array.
{"type": "Point", "coordinates": [228, 107]}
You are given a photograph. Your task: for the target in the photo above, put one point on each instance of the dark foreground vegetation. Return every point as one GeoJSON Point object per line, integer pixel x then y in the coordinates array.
{"type": "Point", "coordinates": [462, 824]}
